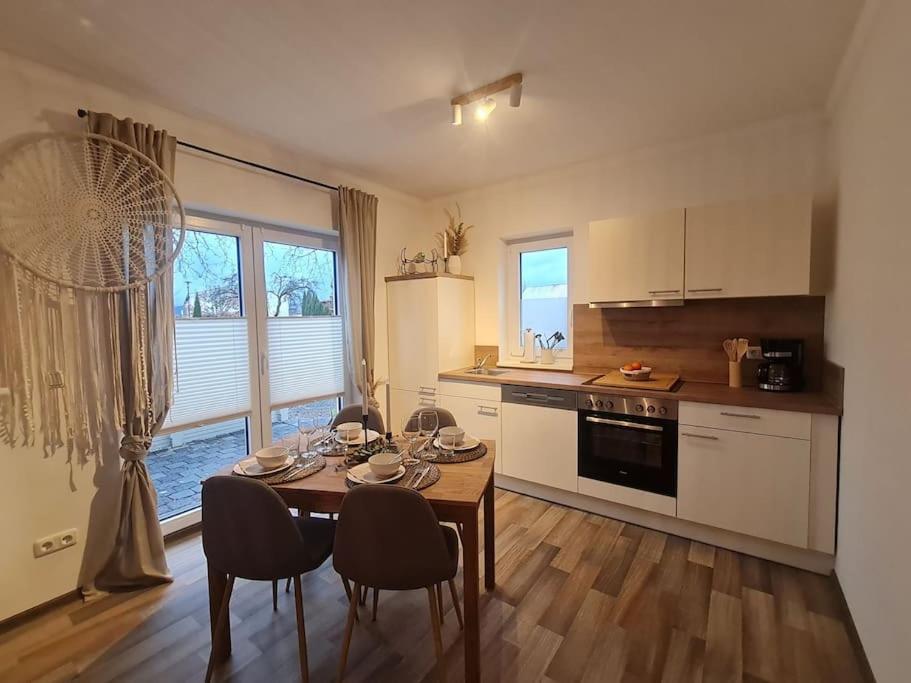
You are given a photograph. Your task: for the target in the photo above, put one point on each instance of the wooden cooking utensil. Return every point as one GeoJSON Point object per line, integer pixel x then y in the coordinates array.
{"type": "Point", "coordinates": [742, 346]}
{"type": "Point", "coordinates": [730, 348]}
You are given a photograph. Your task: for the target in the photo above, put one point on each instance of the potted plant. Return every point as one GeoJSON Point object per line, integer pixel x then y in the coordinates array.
{"type": "Point", "coordinates": [454, 240]}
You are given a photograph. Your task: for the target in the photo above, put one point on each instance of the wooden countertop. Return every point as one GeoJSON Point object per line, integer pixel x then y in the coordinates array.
{"type": "Point", "coordinates": [699, 392]}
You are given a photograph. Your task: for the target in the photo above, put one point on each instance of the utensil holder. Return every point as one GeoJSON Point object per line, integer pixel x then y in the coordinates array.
{"type": "Point", "coordinates": [547, 357]}
{"type": "Point", "coordinates": [735, 376]}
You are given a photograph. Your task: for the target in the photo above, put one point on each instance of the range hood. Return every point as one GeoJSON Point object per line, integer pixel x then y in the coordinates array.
{"type": "Point", "coordinates": [645, 303]}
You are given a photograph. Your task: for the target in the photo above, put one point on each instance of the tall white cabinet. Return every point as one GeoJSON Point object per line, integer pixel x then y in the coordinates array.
{"type": "Point", "coordinates": [431, 329]}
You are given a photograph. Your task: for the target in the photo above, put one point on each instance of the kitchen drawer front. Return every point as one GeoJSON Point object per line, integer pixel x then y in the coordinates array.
{"type": "Point", "coordinates": [748, 483]}
{"type": "Point", "coordinates": [475, 390]}
{"type": "Point", "coordinates": [751, 420]}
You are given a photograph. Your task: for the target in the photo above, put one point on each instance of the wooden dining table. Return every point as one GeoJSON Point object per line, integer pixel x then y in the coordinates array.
{"type": "Point", "coordinates": [456, 497]}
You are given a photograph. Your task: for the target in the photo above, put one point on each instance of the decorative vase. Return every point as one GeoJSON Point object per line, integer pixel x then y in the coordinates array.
{"type": "Point", "coordinates": [409, 268]}
{"type": "Point", "coordinates": [548, 357]}
{"type": "Point", "coordinates": [454, 264]}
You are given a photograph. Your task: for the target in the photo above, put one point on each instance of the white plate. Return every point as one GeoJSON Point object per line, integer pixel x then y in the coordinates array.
{"type": "Point", "coordinates": [250, 468]}
{"type": "Point", "coordinates": [362, 474]}
{"type": "Point", "coordinates": [468, 442]}
{"type": "Point", "coordinates": [359, 441]}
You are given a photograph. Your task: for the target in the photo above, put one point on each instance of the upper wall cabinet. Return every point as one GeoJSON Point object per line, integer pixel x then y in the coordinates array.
{"type": "Point", "coordinates": [749, 248]}
{"type": "Point", "coordinates": [636, 259]}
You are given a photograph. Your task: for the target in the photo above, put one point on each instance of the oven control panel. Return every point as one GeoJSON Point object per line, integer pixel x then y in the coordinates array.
{"type": "Point", "coordinates": [661, 408]}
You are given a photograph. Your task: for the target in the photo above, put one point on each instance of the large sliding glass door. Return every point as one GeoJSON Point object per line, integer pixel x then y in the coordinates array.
{"type": "Point", "coordinates": [259, 351]}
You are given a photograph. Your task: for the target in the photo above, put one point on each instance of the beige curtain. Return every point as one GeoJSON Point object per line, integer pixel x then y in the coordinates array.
{"type": "Point", "coordinates": [141, 347]}
{"type": "Point", "coordinates": [357, 228]}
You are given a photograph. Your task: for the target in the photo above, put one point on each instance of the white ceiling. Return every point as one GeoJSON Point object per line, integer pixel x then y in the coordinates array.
{"type": "Point", "coordinates": [366, 85]}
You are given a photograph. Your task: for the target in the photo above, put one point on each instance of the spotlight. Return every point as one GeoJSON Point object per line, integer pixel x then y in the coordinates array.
{"type": "Point", "coordinates": [484, 107]}
{"type": "Point", "coordinates": [457, 115]}
{"type": "Point", "coordinates": [515, 94]}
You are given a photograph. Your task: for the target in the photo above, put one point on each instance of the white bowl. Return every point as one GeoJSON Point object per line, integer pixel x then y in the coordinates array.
{"type": "Point", "coordinates": [272, 457]}
{"type": "Point", "coordinates": [451, 436]}
{"type": "Point", "coordinates": [384, 465]}
{"type": "Point", "coordinates": [348, 431]}
{"type": "Point", "coordinates": [637, 375]}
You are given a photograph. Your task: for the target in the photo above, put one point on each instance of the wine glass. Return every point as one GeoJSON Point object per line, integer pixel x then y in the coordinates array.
{"type": "Point", "coordinates": [411, 430]}
{"type": "Point", "coordinates": [429, 424]}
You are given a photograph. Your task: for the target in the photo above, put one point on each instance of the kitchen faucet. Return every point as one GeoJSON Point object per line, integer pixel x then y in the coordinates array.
{"type": "Point", "coordinates": [481, 361]}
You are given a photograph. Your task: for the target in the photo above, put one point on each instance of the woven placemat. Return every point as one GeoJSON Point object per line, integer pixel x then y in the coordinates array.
{"type": "Point", "coordinates": [294, 472]}
{"type": "Point", "coordinates": [431, 478]}
{"type": "Point", "coordinates": [478, 451]}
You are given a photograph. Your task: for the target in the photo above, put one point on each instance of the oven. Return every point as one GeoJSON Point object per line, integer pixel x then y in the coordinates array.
{"type": "Point", "coordinates": [629, 441]}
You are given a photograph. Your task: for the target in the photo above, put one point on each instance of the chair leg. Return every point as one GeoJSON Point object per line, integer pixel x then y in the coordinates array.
{"type": "Point", "coordinates": [288, 585]}
{"type": "Point", "coordinates": [364, 595]}
{"type": "Point", "coordinates": [435, 627]}
{"type": "Point", "coordinates": [349, 594]}
{"type": "Point", "coordinates": [275, 595]}
{"type": "Point", "coordinates": [453, 591]}
{"type": "Point", "coordinates": [349, 629]}
{"type": "Point", "coordinates": [376, 597]}
{"type": "Point", "coordinates": [301, 629]}
{"type": "Point", "coordinates": [222, 616]}
{"type": "Point", "coordinates": [438, 589]}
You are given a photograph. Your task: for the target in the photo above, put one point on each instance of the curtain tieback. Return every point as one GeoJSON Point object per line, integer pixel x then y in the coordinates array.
{"type": "Point", "coordinates": [134, 448]}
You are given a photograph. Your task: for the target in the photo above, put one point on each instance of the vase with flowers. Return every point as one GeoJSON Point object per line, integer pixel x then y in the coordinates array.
{"type": "Point", "coordinates": [454, 240]}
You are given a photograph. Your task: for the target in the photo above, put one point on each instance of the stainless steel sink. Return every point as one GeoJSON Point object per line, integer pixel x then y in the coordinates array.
{"type": "Point", "coordinates": [486, 371]}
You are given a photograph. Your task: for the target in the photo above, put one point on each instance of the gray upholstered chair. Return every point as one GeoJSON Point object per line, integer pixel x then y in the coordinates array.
{"type": "Point", "coordinates": [389, 538]}
{"type": "Point", "coordinates": [248, 532]}
{"type": "Point", "coordinates": [353, 413]}
{"type": "Point", "coordinates": [444, 417]}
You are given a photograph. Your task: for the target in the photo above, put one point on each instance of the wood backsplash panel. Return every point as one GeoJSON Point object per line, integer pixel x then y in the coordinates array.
{"type": "Point", "coordinates": [687, 339]}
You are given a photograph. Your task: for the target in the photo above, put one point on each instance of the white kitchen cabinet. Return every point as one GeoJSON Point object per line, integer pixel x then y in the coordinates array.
{"type": "Point", "coordinates": [749, 248]}
{"type": "Point", "coordinates": [638, 258]}
{"type": "Point", "coordinates": [405, 402]}
{"type": "Point", "coordinates": [753, 484]}
{"type": "Point", "coordinates": [479, 418]}
{"type": "Point", "coordinates": [540, 445]}
{"type": "Point", "coordinates": [431, 329]}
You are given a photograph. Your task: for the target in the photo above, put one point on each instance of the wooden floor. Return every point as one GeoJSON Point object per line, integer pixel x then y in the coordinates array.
{"type": "Point", "coordinates": [579, 598]}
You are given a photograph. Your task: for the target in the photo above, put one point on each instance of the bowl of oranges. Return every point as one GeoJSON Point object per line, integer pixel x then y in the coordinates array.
{"type": "Point", "coordinates": [636, 371]}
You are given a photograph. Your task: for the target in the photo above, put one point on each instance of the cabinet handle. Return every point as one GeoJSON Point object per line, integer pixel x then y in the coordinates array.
{"type": "Point", "coordinates": [699, 436]}
{"type": "Point", "coordinates": [746, 415]}
{"type": "Point", "coordinates": [664, 291]}
{"type": "Point", "coordinates": [706, 289]}
{"type": "Point", "coordinates": [487, 411]}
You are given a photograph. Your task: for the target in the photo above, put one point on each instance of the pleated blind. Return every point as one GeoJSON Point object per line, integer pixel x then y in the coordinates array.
{"type": "Point", "coordinates": [306, 358]}
{"type": "Point", "coordinates": [212, 371]}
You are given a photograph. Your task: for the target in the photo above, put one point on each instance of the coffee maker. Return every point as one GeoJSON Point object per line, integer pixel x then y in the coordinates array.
{"type": "Point", "coordinates": [782, 366]}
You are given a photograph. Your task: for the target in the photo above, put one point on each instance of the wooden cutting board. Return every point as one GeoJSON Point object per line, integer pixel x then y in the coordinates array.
{"type": "Point", "coordinates": [657, 381]}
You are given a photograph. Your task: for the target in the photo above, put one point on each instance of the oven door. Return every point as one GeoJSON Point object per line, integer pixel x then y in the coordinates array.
{"type": "Point", "coordinates": [638, 452]}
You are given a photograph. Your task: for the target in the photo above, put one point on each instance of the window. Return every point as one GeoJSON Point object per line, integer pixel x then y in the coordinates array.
{"type": "Point", "coordinates": [538, 293]}
{"type": "Point", "coordinates": [258, 350]}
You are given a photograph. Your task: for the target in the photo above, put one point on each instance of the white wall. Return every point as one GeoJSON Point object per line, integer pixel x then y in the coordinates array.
{"type": "Point", "coordinates": [868, 330]}
{"type": "Point", "coordinates": [41, 495]}
{"type": "Point", "coordinates": [784, 155]}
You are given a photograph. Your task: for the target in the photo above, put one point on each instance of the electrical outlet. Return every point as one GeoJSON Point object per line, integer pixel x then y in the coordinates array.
{"type": "Point", "coordinates": [754, 352]}
{"type": "Point", "coordinates": [55, 542]}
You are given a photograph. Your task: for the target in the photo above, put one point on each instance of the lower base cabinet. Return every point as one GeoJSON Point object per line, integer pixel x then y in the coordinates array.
{"type": "Point", "coordinates": [405, 402]}
{"type": "Point", "coordinates": [479, 418]}
{"type": "Point", "coordinates": [540, 445]}
{"type": "Point", "coordinates": [749, 483]}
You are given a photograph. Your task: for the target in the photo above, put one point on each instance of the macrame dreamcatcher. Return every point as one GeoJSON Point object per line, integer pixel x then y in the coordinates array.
{"type": "Point", "coordinates": [81, 217]}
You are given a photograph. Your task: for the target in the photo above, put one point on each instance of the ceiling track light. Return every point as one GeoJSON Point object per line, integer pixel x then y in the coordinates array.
{"type": "Point", "coordinates": [483, 96]}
